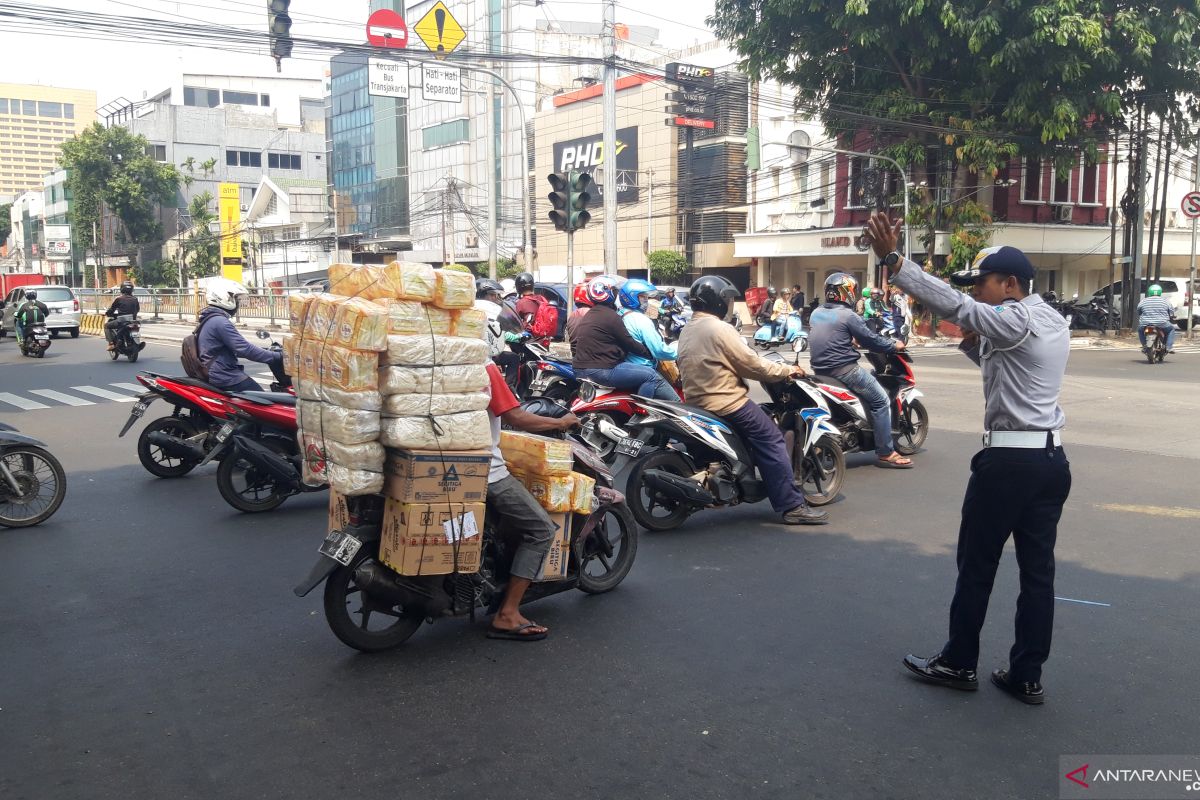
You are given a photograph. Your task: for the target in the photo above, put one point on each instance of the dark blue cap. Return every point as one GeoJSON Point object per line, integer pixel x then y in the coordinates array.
{"type": "Point", "coordinates": [1002, 259]}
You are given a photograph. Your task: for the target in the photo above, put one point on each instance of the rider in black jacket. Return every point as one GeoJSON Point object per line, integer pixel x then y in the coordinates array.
{"type": "Point", "coordinates": [125, 303]}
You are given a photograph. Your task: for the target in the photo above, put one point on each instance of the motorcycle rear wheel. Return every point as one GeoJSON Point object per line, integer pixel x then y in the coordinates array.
{"type": "Point", "coordinates": [154, 459]}
{"type": "Point", "coordinates": [114, 354]}
{"type": "Point", "coordinates": [913, 428]}
{"type": "Point", "coordinates": [34, 469]}
{"type": "Point", "coordinates": [341, 590]}
{"type": "Point", "coordinates": [622, 542]}
{"type": "Point", "coordinates": [823, 468]}
{"type": "Point", "coordinates": [642, 501]}
{"type": "Point", "coordinates": [241, 485]}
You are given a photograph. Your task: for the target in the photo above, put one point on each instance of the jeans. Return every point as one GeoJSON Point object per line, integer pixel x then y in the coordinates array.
{"type": "Point", "coordinates": [1018, 492]}
{"type": "Point", "coordinates": [517, 511]}
{"type": "Point", "coordinates": [644, 381]}
{"type": "Point", "coordinates": [19, 329]}
{"type": "Point", "coordinates": [1169, 329]}
{"type": "Point", "coordinates": [863, 384]}
{"type": "Point", "coordinates": [765, 440]}
{"type": "Point", "coordinates": [245, 385]}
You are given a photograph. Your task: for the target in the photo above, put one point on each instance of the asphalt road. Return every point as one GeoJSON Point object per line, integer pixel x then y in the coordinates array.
{"type": "Point", "coordinates": [152, 647]}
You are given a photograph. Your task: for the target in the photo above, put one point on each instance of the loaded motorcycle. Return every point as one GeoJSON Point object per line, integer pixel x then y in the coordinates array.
{"type": "Point", "coordinates": [910, 420]}
{"type": "Point", "coordinates": [360, 589]}
{"type": "Point", "coordinates": [681, 459]}
{"type": "Point", "coordinates": [32, 481]}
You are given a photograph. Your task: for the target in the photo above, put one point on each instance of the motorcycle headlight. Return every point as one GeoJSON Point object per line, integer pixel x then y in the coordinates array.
{"type": "Point", "coordinates": [587, 391]}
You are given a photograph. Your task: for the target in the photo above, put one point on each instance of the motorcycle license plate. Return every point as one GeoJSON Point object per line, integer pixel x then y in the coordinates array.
{"type": "Point", "coordinates": [138, 410]}
{"type": "Point", "coordinates": [225, 431]}
{"type": "Point", "coordinates": [630, 446]}
{"type": "Point", "coordinates": [339, 546]}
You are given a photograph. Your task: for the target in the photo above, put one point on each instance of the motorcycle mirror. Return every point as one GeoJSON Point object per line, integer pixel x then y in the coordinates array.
{"type": "Point", "coordinates": [263, 335]}
{"type": "Point", "coordinates": [1075, 297]}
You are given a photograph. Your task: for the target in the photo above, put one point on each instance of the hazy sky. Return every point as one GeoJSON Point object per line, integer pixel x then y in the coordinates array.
{"type": "Point", "coordinates": [130, 68]}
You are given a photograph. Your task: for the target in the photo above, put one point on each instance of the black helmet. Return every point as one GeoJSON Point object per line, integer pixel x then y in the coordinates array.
{"type": "Point", "coordinates": [712, 294]}
{"type": "Point", "coordinates": [841, 288]}
{"type": "Point", "coordinates": [524, 282]}
{"type": "Point", "coordinates": [485, 286]}
{"type": "Point", "coordinates": [126, 288]}
{"type": "Point", "coordinates": [31, 295]}
{"type": "Point", "coordinates": [771, 293]}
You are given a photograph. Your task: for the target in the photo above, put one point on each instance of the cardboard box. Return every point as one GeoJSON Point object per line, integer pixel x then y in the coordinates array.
{"type": "Point", "coordinates": [554, 567]}
{"type": "Point", "coordinates": [425, 538]}
{"type": "Point", "coordinates": [339, 514]}
{"type": "Point", "coordinates": [433, 477]}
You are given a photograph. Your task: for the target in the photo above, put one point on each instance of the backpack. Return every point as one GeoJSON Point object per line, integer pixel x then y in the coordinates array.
{"type": "Point", "coordinates": [544, 324]}
{"type": "Point", "coordinates": [189, 356]}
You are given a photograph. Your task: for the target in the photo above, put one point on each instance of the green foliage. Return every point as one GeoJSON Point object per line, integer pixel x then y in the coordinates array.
{"type": "Point", "coordinates": [201, 252]}
{"type": "Point", "coordinates": [507, 268]}
{"type": "Point", "coordinates": [110, 166]}
{"type": "Point", "coordinates": [156, 273]}
{"type": "Point", "coordinates": [666, 266]}
{"type": "Point", "coordinates": [5, 221]}
{"type": "Point", "coordinates": [970, 226]}
{"type": "Point", "coordinates": [459, 268]}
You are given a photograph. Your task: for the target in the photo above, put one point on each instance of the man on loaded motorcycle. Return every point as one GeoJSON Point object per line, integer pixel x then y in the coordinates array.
{"type": "Point", "coordinates": [602, 341]}
{"type": "Point", "coordinates": [634, 296]}
{"type": "Point", "coordinates": [123, 304]}
{"type": "Point", "coordinates": [1156, 310]}
{"type": "Point", "coordinates": [714, 363]}
{"type": "Point", "coordinates": [220, 344]}
{"type": "Point", "coordinates": [31, 312]}
{"type": "Point", "coordinates": [832, 331]}
{"type": "Point", "coordinates": [516, 510]}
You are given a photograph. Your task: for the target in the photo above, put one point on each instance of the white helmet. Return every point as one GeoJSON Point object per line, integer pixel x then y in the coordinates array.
{"type": "Point", "coordinates": [224, 293]}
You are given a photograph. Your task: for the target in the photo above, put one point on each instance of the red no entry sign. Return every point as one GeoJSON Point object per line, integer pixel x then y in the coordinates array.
{"type": "Point", "coordinates": [386, 28]}
{"type": "Point", "coordinates": [1191, 205]}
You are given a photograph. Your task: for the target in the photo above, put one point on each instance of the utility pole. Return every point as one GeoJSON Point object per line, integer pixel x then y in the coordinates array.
{"type": "Point", "coordinates": [1134, 288]}
{"type": "Point", "coordinates": [649, 220]}
{"type": "Point", "coordinates": [1191, 295]}
{"type": "Point", "coordinates": [489, 161]}
{"type": "Point", "coordinates": [610, 138]}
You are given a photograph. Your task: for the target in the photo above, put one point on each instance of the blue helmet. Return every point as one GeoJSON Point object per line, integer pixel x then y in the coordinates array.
{"type": "Point", "coordinates": [634, 292]}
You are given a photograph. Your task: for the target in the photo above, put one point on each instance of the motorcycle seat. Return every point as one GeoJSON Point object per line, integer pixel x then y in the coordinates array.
{"type": "Point", "coordinates": [832, 381]}
{"type": "Point", "coordinates": [198, 384]}
{"type": "Point", "coordinates": [267, 398]}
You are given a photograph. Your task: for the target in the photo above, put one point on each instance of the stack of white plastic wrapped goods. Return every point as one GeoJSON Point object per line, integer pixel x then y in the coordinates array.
{"type": "Point", "coordinates": [339, 342]}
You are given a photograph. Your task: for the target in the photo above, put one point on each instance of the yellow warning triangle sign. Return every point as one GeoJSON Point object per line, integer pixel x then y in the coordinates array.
{"type": "Point", "coordinates": [439, 30]}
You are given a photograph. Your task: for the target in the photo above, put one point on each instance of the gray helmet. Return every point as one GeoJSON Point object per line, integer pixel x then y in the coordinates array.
{"type": "Point", "coordinates": [524, 282]}
{"type": "Point", "coordinates": [126, 288]}
{"type": "Point", "coordinates": [485, 286]}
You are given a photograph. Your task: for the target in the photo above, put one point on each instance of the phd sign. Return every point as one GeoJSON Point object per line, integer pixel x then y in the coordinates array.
{"type": "Point", "coordinates": [387, 78]}
{"type": "Point", "coordinates": [441, 83]}
{"type": "Point", "coordinates": [587, 154]}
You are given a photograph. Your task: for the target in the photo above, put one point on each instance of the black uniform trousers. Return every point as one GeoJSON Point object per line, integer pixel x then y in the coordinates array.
{"type": "Point", "coordinates": [1021, 492]}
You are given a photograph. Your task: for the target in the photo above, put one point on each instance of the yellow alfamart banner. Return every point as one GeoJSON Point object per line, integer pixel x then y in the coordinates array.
{"type": "Point", "coordinates": [229, 208]}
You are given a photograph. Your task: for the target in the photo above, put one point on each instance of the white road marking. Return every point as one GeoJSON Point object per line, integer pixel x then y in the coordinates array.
{"type": "Point", "coordinates": [20, 402]}
{"type": "Point", "coordinates": [105, 393]}
{"type": "Point", "coordinates": [65, 399]}
{"type": "Point", "coordinates": [133, 387]}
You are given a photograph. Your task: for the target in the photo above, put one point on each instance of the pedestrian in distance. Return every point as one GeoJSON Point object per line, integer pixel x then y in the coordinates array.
{"type": "Point", "coordinates": [1021, 478]}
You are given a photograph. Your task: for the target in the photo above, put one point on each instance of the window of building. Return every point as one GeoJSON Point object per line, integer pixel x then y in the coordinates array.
{"type": "Point", "coordinates": [289, 233]}
{"type": "Point", "coordinates": [243, 158]}
{"type": "Point", "coordinates": [264, 99]}
{"type": "Point", "coordinates": [157, 151]}
{"type": "Point", "coordinates": [1031, 181]}
{"type": "Point", "coordinates": [3, 105]}
{"type": "Point", "coordinates": [1062, 188]}
{"type": "Point", "coordinates": [69, 110]}
{"type": "Point", "coordinates": [29, 108]}
{"type": "Point", "coordinates": [855, 196]}
{"type": "Point", "coordinates": [283, 161]}
{"type": "Point", "coordinates": [452, 132]}
{"type": "Point", "coordinates": [240, 98]}
{"type": "Point", "coordinates": [48, 109]}
{"type": "Point", "coordinates": [204, 98]}
{"type": "Point", "coordinates": [1089, 184]}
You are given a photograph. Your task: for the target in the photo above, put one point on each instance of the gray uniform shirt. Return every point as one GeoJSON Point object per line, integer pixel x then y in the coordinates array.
{"type": "Point", "coordinates": [1023, 349]}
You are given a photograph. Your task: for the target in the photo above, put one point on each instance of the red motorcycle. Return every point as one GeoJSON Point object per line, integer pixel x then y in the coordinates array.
{"type": "Point", "coordinates": [603, 412]}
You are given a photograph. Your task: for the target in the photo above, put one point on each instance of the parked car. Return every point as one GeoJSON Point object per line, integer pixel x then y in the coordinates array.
{"type": "Point", "coordinates": [1175, 291]}
{"type": "Point", "coordinates": [60, 300]}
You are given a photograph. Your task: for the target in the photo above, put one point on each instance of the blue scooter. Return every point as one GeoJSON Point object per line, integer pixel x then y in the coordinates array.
{"type": "Point", "coordinates": [793, 334]}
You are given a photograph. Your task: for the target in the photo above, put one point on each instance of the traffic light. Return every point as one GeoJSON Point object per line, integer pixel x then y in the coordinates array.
{"type": "Point", "coordinates": [753, 149]}
{"type": "Point", "coordinates": [559, 199]}
{"type": "Point", "coordinates": [577, 189]}
{"type": "Point", "coordinates": [279, 25]}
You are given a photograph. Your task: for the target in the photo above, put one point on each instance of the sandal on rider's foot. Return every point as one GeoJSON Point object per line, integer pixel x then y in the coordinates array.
{"type": "Point", "coordinates": [894, 461]}
{"type": "Point", "coordinates": [518, 634]}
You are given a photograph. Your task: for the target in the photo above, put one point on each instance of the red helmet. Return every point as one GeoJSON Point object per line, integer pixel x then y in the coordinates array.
{"type": "Point", "coordinates": [602, 291]}
{"type": "Point", "coordinates": [580, 295]}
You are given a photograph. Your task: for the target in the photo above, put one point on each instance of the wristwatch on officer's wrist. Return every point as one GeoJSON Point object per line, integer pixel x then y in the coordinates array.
{"type": "Point", "coordinates": [890, 260]}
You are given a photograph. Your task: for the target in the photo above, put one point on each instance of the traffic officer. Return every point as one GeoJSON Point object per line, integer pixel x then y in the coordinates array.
{"type": "Point", "coordinates": [1021, 478]}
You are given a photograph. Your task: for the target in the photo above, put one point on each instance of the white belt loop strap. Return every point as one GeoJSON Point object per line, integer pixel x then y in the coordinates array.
{"type": "Point", "coordinates": [1027, 439]}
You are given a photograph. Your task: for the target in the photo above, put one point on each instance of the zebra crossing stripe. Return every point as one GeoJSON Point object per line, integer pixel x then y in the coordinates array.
{"type": "Point", "coordinates": [105, 394]}
{"type": "Point", "coordinates": [133, 387]}
{"type": "Point", "coordinates": [65, 399]}
{"type": "Point", "coordinates": [21, 402]}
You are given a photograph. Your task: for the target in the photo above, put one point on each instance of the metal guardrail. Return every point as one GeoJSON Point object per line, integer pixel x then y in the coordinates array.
{"type": "Point", "coordinates": [271, 306]}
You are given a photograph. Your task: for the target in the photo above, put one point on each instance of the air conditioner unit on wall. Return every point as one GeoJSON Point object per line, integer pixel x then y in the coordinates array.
{"type": "Point", "coordinates": [1062, 213]}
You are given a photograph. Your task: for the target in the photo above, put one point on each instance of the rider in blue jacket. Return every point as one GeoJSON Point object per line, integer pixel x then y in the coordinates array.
{"type": "Point", "coordinates": [633, 299]}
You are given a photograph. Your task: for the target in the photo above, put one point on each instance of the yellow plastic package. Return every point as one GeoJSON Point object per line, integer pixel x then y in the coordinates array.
{"type": "Point", "coordinates": [436, 380]}
{"type": "Point", "coordinates": [357, 280]}
{"type": "Point", "coordinates": [349, 370]}
{"type": "Point", "coordinates": [412, 317]}
{"type": "Point", "coordinates": [452, 432]}
{"type": "Point", "coordinates": [298, 305]}
{"type": "Point", "coordinates": [411, 281]}
{"type": "Point", "coordinates": [553, 493]}
{"type": "Point", "coordinates": [361, 325]}
{"type": "Point", "coordinates": [536, 455]}
{"type": "Point", "coordinates": [583, 494]}
{"type": "Point", "coordinates": [430, 351]}
{"type": "Point", "coordinates": [469, 323]}
{"type": "Point", "coordinates": [322, 311]}
{"type": "Point", "coordinates": [291, 354]}
{"type": "Point", "coordinates": [454, 289]}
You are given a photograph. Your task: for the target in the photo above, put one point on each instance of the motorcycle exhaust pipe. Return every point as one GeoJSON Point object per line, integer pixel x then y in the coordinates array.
{"type": "Point", "coordinates": [683, 490]}
{"type": "Point", "coordinates": [381, 583]}
{"type": "Point", "coordinates": [175, 446]}
{"type": "Point", "coordinates": [270, 462]}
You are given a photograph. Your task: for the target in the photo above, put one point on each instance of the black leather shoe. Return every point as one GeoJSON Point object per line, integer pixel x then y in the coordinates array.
{"type": "Point", "coordinates": [935, 670]}
{"type": "Point", "coordinates": [805, 515]}
{"type": "Point", "coordinates": [1030, 693]}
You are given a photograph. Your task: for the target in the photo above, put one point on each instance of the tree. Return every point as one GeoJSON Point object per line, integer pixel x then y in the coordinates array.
{"type": "Point", "coordinates": [201, 248]}
{"type": "Point", "coordinates": [5, 221]}
{"type": "Point", "coordinates": [156, 273]}
{"type": "Point", "coordinates": [973, 84]}
{"type": "Point", "coordinates": [110, 166]}
{"type": "Point", "coordinates": [666, 265]}
{"type": "Point", "coordinates": [507, 268]}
